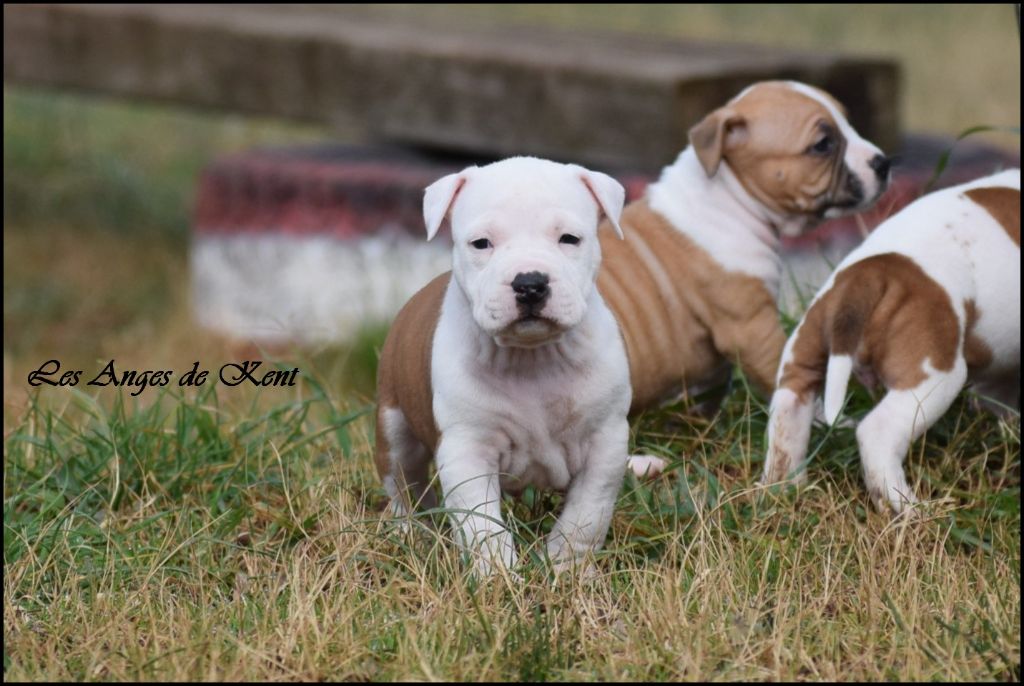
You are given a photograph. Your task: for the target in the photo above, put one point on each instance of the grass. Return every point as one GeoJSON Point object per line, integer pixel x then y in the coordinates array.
{"type": "Point", "coordinates": [125, 168]}
{"type": "Point", "coordinates": [209, 535]}
{"type": "Point", "coordinates": [229, 533]}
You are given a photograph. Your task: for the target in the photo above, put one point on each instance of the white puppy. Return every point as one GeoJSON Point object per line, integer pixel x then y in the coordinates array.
{"type": "Point", "coordinates": [929, 302]}
{"type": "Point", "coordinates": [511, 369]}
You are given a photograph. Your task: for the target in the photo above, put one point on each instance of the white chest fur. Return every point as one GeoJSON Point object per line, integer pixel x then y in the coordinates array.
{"type": "Point", "coordinates": [537, 409]}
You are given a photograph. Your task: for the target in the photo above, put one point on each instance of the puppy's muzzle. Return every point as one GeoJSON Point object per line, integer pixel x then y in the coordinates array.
{"type": "Point", "coordinates": [850, 194]}
{"type": "Point", "coordinates": [532, 291]}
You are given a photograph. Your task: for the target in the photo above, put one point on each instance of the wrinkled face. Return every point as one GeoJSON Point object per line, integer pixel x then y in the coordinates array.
{"type": "Point", "coordinates": [792, 149]}
{"type": "Point", "coordinates": [525, 251]}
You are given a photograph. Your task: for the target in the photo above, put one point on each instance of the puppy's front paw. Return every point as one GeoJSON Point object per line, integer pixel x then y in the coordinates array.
{"type": "Point", "coordinates": [890, 493]}
{"type": "Point", "coordinates": [646, 466]}
{"type": "Point", "coordinates": [495, 555]}
{"type": "Point", "coordinates": [581, 568]}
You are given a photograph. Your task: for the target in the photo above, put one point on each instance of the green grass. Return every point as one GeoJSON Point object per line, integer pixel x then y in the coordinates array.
{"type": "Point", "coordinates": [212, 535]}
{"type": "Point", "coordinates": [127, 168]}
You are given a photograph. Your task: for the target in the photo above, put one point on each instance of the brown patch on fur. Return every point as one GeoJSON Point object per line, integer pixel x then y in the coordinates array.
{"type": "Point", "coordinates": [682, 315]}
{"type": "Point", "coordinates": [977, 353]}
{"type": "Point", "coordinates": [888, 314]}
{"type": "Point", "coordinates": [403, 377]}
{"type": "Point", "coordinates": [765, 136]}
{"type": "Point", "coordinates": [1004, 206]}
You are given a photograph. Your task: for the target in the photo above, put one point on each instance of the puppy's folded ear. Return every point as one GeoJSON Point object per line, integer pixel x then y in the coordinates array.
{"type": "Point", "coordinates": [716, 133]}
{"type": "Point", "coordinates": [439, 197]}
{"type": "Point", "coordinates": [609, 194]}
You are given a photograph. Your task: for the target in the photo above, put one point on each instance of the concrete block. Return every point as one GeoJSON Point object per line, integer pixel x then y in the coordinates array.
{"type": "Point", "coordinates": [311, 244]}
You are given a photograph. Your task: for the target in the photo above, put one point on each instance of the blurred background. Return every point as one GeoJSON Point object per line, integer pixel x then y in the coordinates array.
{"type": "Point", "coordinates": [99, 192]}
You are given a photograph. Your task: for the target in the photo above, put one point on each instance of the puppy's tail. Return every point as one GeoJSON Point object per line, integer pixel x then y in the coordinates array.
{"type": "Point", "coordinates": [837, 379]}
{"type": "Point", "coordinates": [846, 337]}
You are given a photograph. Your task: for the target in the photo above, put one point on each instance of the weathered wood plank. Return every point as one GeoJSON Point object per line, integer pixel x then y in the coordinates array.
{"type": "Point", "coordinates": [604, 99]}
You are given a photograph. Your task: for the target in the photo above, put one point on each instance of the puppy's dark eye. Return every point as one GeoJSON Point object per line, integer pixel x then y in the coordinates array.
{"type": "Point", "coordinates": [822, 147]}
{"type": "Point", "coordinates": [481, 244]}
{"type": "Point", "coordinates": [569, 239]}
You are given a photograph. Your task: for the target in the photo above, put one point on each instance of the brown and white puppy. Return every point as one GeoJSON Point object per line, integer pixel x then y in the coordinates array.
{"type": "Point", "coordinates": [929, 302]}
{"type": "Point", "coordinates": [694, 284]}
{"type": "Point", "coordinates": [510, 370]}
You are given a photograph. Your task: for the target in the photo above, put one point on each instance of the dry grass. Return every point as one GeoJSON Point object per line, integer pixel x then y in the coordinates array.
{"type": "Point", "coordinates": [208, 541]}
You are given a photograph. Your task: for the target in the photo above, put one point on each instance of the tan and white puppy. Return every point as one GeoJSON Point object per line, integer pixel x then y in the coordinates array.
{"type": "Point", "coordinates": [510, 370]}
{"type": "Point", "coordinates": [694, 285]}
{"type": "Point", "coordinates": [929, 302]}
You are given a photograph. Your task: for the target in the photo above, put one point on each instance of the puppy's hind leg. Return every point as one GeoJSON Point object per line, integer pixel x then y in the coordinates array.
{"type": "Point", "coordinates": [885, 434]}
{"type": "Point", "coordinates": [404, 464]}
{"type": "Point", "coordinates": [789, 431]}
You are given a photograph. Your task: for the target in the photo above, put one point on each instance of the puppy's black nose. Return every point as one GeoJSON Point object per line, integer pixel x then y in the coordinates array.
{"type": "Point", "coordinates": [531, 288]}
{"type": "Point", "coordinates": [880, 164]}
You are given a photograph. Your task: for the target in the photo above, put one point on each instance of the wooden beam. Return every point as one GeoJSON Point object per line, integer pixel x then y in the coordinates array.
{"type": "Point", "coordinates": [603, 99]}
